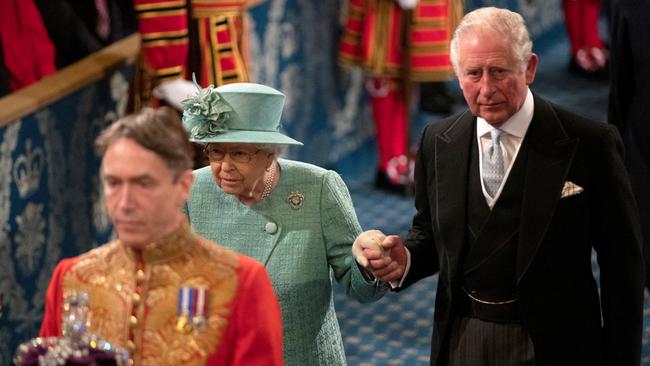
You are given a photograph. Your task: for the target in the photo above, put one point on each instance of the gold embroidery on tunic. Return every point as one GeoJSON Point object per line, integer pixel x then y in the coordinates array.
{"type": "Point", "coordinates": [181, 260]}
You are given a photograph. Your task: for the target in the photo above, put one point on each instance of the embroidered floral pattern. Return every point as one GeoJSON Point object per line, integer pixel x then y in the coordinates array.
{"type": "Point", "coordinates": [30, 237]}
{"type": "Point", "coordinates": [205, 114]}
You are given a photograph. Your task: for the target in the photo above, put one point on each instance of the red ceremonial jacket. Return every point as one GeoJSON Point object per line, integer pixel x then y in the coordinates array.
{"type": "Point", "coordinates": [388, 41]}
{"type": "Point", "coordinates": [164, 28]}
{"type": "Point", "coordinates": [134, 302]}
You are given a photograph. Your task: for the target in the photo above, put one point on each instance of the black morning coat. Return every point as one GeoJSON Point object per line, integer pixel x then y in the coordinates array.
{"type": "Point", "coordinates": [559, 298]}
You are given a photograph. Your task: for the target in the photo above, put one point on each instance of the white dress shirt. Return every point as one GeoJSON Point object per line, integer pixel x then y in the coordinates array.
{"type": "Point", "coordinates": [512, 134]}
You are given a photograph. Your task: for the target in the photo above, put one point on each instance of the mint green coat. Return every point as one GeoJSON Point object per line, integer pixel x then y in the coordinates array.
{"type": "Point", "coordinates": [298, 246]}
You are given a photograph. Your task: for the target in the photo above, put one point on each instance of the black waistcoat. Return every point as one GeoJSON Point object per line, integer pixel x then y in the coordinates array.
{"type": "Point", "coordinates": [490, 265]}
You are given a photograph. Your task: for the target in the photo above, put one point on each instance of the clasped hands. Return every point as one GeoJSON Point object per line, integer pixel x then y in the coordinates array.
{"type": "Point", "coordinates": [384, 257]}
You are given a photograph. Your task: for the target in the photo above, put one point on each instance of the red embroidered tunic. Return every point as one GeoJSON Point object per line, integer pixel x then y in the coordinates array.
{"type": "Point", "coordinates": [133, 302]}
{"type": "Point", "coordinates": [383, 39]}
{"type": "Point", "coordinates": [165, 39]}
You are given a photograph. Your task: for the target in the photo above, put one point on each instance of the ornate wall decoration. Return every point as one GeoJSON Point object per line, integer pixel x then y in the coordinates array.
{"type": "Point", "coordinates": [30, 238]}
{"type": "Point", "coordinates": [15, 303]}
{"type": "Point", "coordinates": [27, 169]}
{"type": "Point", "coordinates": [56, 166]}
{"type": "Point", "coordinates": [119, 92]}
{"type": "Point", "coordinates": [82, 143]}
{"type": "Point", "coordinates": [48, 189]}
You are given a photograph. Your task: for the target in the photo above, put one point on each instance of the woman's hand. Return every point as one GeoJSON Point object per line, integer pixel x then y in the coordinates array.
{"type": "Point", "coordinates": [383, 256]}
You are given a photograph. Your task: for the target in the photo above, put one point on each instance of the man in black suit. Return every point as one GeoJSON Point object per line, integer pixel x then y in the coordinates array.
{"type": "Point", "coordinates": [629, 99]}
{"type": "Point", "coordinates": [511, 197]}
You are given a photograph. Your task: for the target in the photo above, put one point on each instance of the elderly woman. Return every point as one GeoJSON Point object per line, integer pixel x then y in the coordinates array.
{"type": "Point", "coordinates": [295, 218]}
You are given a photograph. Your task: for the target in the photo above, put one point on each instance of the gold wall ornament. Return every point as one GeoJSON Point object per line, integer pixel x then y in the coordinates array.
{"type": "Point", "coordinates": [30, 238]}
{"type": "Point", "coordinates": [27, 169]}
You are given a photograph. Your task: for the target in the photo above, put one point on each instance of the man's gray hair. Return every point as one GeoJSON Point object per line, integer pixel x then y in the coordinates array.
{"type": "Point", "coordinates": [159, 130]}
{"type": "Point", "coordinates": [502, 22]}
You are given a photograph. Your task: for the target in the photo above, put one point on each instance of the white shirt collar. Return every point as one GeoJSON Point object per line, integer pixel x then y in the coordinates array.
{"type": "Point", "coordinates": [517, 125]}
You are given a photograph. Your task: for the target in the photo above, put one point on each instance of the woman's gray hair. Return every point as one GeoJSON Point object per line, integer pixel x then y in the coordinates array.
{"type": "Point", "coordinates": [499, 21]}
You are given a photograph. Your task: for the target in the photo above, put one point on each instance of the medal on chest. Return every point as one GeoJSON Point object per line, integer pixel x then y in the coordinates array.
{"type": "Point", "coordinates": [192, 305]}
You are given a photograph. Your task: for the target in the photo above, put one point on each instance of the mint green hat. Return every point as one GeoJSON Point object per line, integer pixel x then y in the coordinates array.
{"type": "Point", "coordinates": [238, 113]}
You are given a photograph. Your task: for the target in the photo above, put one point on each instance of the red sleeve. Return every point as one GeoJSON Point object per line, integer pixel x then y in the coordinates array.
{"type": "Point", "coordinates": [254, 333]}
{"type": "Point", "coordinates": [29, 54]}
{"type": "Point", "coordinates": [51, 326]}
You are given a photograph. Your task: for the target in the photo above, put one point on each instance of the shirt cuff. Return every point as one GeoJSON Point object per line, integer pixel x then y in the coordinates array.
{"type": "Point", "coordinates": [394, 284]}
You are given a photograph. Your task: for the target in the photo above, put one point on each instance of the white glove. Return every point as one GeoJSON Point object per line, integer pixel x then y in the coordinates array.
{"type": "Point", "coordinates": [407, 4]}
{"type": "Point", "coordinates": [368, 239]}
{"type": "Point", "coordinates": [175, 91]}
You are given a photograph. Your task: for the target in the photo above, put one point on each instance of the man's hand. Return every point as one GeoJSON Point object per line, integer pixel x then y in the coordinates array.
{"type": "Point", "coordinates": [383, 256]}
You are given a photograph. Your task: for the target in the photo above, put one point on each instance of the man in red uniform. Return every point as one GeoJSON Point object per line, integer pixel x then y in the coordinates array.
{"type": "Point", "coordinates": [168, 296]}
{"type": "Point", "coordinates": [181, 37]}
{"type": "Point", "coordinates": [397, 42]}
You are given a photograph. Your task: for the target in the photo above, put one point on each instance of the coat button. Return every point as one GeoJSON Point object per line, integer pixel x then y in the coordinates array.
{"type": "Point", "coordinates": [135, 298]}
{"type": "Point", "coordinates": [133, 321]}
{"type": "Point", "coordinates": [271, 227]}
{"type": "Point", "coordinates": [139, 277]}
{"type": "Point", "coordinates": [131, 347]}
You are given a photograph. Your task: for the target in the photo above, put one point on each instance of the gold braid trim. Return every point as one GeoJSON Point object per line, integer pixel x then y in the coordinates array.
{"type": "Point", "coordinates": [162, 5]}
{"type": "Point", "coordinates": [162, 13]}
{"type": "Point", "coordinates": [181, 260]}
{"type": "Point", "coordinates": [168, 34]}
{"type": "Point", "coordinates": [164, 42]}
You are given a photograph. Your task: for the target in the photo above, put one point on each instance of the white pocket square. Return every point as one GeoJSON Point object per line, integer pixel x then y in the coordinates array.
{"type": "Point", "coordinates": [570, 189]}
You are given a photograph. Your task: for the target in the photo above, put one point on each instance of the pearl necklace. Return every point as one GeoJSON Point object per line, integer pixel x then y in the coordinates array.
{"type": "Point", "coordinates": [268, 183]}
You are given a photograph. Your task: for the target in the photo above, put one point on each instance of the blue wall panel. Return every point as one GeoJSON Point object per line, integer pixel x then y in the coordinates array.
{"type": "Point", "coordinates": [50, 203]}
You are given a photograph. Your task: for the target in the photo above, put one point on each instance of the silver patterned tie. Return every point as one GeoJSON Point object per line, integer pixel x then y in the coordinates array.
{"type": "Point", "coordinates": [493, 170]}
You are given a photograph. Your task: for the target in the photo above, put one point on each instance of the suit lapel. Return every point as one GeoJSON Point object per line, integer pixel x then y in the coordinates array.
{"type": "Point", "coordinates": [550, 152]}
{"type": "Point", "coordinates": [451, 167]}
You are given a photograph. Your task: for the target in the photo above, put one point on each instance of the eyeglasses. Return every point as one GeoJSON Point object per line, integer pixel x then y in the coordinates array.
{"type": "Point", "coordinates": [215, 153]}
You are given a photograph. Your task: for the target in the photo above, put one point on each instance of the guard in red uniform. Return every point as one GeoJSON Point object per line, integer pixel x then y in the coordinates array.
{"type": "Point", "coordinates": [398, 42]}
{"type": "Point", "coordinates": [181, 37]}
